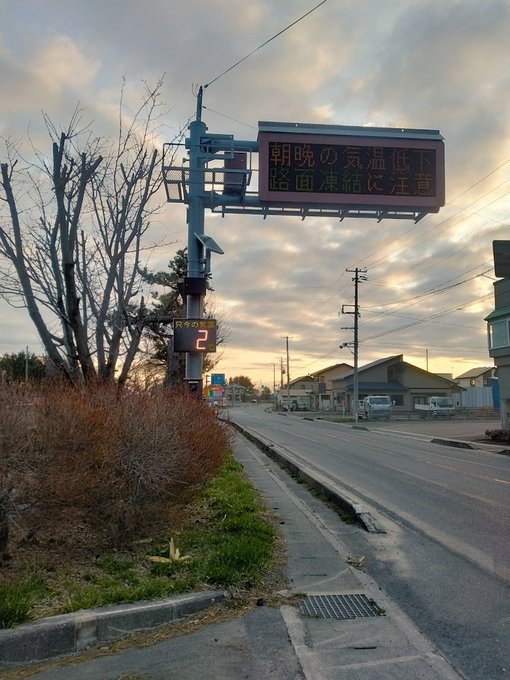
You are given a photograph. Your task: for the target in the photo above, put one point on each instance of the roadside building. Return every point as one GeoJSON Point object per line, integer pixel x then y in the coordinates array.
{"type": "Point", "coordinates": [478, 384]}
{"type": "Point", "coordinates": [476, 377]}
{"type": "Point", "coordinates": [233, 394]}
{"type": "Point", "coordinates": [406, 385]}
{"type": "Point", "coordinates": [498, 326]}
{"type": "Point", "coordinates": [322, 397]}
{"type": "Point", "coordinates": [315, 390]}
{"type": "Point", "coordinates": [298, 394]}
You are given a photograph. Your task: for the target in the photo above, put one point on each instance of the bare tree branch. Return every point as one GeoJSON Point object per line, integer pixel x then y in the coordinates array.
{"type": "Point", "coordinates": [72, 237]}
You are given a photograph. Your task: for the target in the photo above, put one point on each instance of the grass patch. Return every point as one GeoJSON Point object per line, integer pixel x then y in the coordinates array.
{"type": "Point", "coordinates": [227, 540]}
{"type": "Point", "coordinates": [239, 539]}
{"type": "Point", "coordinates": [17, 599]}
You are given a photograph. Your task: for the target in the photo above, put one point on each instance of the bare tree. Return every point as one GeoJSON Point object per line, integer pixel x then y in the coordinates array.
{"type": "Point", "coordinates": [72, 230]}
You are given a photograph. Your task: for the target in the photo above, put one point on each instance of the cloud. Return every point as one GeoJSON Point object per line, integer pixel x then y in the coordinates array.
{"type": "Point", "coordinates": [59, 64]}
{"type": "Point", "coordinates": [440, 65]}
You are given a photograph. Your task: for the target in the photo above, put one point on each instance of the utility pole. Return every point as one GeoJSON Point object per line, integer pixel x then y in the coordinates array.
{"type": "Point", "coordinates": [286, 337]}
{"type": "Point", "coordinates": [195, 219]}
{"type": "Point", "coordinates": [359, 275]}
{"type": "Point", "coordinates": [275, 405]}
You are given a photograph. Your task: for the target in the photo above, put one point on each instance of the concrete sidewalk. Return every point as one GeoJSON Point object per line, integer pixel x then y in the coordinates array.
{"type": "Point", "coordinates": [339, 624]}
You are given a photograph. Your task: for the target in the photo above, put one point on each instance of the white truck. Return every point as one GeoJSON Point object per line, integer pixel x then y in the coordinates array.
{"type": "Point", "coordinates": [377, 406]}
{"type": "Point", "coordinates": [437, 407]}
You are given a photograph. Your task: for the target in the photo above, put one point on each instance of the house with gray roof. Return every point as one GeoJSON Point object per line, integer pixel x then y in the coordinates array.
{"type": "Point", "coordinates": [322, 398]}
{"type": "Point", "coordinates": [315, 389]}
{"type": "Point", "coordinates": [406, 384]}
{"type": "Point", "coordinates": [477, 377]}
{"type": "Point", "coordinates": [479, 388]}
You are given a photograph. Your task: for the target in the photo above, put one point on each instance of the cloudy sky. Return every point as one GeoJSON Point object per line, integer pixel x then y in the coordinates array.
{"type": "Point", "coordinates": [435, 64]}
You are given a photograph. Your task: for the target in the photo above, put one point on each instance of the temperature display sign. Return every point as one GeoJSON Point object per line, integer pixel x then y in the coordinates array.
{"type": "Point", "coordinates": [194, 335]}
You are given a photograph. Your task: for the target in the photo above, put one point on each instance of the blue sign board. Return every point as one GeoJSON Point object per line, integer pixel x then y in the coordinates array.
{"type": "Point", "coordinates": [217, 378]}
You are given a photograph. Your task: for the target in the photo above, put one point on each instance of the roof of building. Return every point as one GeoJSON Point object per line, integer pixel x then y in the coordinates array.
{"type": "Point", "coordinates": [373, 364]}
{"type": "Point", "coordinates": [386, 360]}
{"type": "Point", "coordinates": [475, 372]}
{"type": "Point", "coordinates": [330, 368]}
{"type": "Point", "coordinates": [397, 358]}
{"type": "Point", "coordinates": [303, 378]}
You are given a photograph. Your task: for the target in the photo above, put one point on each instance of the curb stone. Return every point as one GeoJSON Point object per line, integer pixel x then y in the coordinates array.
{"type": "Point", "coordinates": [314, 480]}
{"type": "Point", "coordinates": [67, 633]}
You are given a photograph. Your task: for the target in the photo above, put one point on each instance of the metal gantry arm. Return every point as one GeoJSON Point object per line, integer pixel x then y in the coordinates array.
{"type": "Point", "coordinates": [215, 151]}
{"type": "Point", "coordinates": [218, 174]}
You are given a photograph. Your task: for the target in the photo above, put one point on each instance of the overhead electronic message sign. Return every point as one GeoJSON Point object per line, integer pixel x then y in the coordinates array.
{"type": "Point", "coordinates": [194, 335]}
{"type": "Point", "coordinates": [303, 164]}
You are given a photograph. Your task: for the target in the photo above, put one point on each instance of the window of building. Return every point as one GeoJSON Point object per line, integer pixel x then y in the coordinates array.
{"type": "Point", "coordinates": [472, 382]}
{"type": "Point", "coordinates": [397, 399]}
{"type": "Point", "coordinates": [499, 334]}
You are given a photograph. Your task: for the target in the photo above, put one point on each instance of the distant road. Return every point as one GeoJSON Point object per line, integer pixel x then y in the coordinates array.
{"type": "Point", "coordinates": [446, 555]}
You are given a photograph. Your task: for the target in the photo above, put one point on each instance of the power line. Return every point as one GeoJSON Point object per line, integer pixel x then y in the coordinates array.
{"type": "Point", "coordinates": [430, 293]}
{"type": "Point", "coordinates": [224, 115]}
{"type": "Point", "coordinates": [429, 318]}
{"type": "Point", "coordinates": [264, 44]}
{"type": "Point", "coordinates": [443, 222]}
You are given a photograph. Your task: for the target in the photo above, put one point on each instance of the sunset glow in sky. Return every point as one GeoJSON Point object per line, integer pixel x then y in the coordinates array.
{"type": "Point", "coordinates": [440, 64]}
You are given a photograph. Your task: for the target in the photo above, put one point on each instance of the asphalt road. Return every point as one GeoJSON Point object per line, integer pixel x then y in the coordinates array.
{"type": "Point", "coordinates": [446, 555]}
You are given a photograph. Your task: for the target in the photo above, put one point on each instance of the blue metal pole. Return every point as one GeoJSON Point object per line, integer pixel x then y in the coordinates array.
{"type": "Point", "coordinates": [195, 219]}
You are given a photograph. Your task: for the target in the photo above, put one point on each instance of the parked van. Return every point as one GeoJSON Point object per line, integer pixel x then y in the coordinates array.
{"type": "Point", "coordinates": [377, 407]}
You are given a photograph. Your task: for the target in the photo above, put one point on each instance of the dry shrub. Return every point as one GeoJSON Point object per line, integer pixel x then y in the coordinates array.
{"type": "Point", "coordinates": [170, 444]}
{"type": "Point", "coordinates": [94, 464]}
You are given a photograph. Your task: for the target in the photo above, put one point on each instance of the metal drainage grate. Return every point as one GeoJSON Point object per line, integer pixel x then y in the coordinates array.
{"type": "Point", "coordinates": [339, 606]}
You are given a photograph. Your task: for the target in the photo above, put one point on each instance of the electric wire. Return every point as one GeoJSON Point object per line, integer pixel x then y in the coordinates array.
{"type": "Point", "coordinates": [223, 115]}
{"type": "Point", "coordinates": [414, 322]}
{"type": "Point", "coordinates": [431, 292]}
{"type": "Point", "coordinates": [417, 298]}
{"type": "Point", "coordinates": [277, 35]}
{"type": "Point", "coordinates": [476, 228]}
{"type": "Point", "coordinates": [371, 265]}
{"type": "Point", "coordinates": [444, 312]}
{"type": "Point", "coordinates": [333, 336]}
{"type": "Point", "coordinates": [434, 290]}
{"type": "Point", "coordinates": [445, 288]}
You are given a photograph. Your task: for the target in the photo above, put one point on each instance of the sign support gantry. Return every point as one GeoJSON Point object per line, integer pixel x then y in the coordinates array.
{"type": "Point", "coordinates": [303, 170]}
